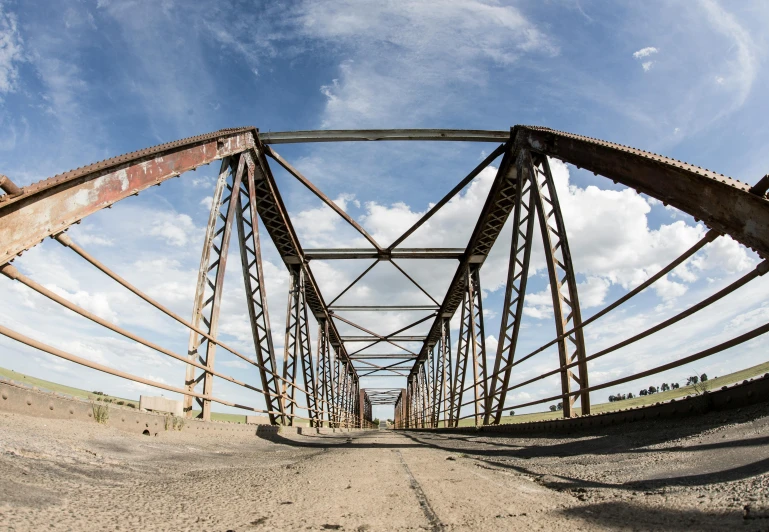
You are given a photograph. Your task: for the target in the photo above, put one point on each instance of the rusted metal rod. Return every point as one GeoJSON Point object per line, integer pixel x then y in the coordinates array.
{"type": "Point", "coordinates": [67, 241]}
{"type": "Point", "coordinates": [12, 273]}
{"type": "Point", "coordinates": [709, 237]}
{"type": "Point", "coordinates": [414, 282]}
{"type": "Point", "coordinates": [358, 278]}
{"type": "Point", "coordinates": [325, 199]}
{"type": "Point", "coordinates": [758, 331]}
{"type": "Point", "coordinates": [453, 192]}
{"type": "Point", "coordinates": [760, 270]}
{"type": "Point", "coordinates": [106, 369]}
{"type": "Point", "coordinates": [760, 188]}
{"type": "Point", "coordinates": [8, 186]}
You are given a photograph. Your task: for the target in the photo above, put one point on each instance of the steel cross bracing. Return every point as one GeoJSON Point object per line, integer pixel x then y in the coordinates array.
{"type": "Point", "coordinates": [517, 276]}
{"type": "Point", "coordinates": [297, 349]}
{"type": "Point", "coordinates": [256, 299]}
{"type": "Point", "coordinates": [435, 394]}
{"type": "Point", "coordinates": [208, 292]}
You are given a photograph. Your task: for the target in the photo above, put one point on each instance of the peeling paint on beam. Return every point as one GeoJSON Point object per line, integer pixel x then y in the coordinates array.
{"type": "Point", "coordinates": [49, 207]}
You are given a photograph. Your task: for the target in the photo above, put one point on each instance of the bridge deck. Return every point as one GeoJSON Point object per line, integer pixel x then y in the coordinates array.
{"type": "Point", "coordinates": [697, 474]}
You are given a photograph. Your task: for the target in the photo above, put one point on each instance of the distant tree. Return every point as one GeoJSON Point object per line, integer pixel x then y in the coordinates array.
{"type": "Point", "coordinates": [553, 408]}
{"type": "Point", "coordinates": [630, 395]}
{"type": "Point", "coordinates": [624, 396]}
{"type": "Point", "coordinates": [665, 386]}
{"type": "Point", "coordinates": [512, 412]}
{"type": "Point", "coordinates": [559, 406]}
{"type": "Point", "coordinates": [675, 385]}
{"type": "Point", "coordinates": [612, 398]}
{"type": "Point", "coordinates": [390, 421]}
{"type": "Point", "coordinates": [703, 377]}
{"type": "Point", "coordinates": [376, 421]}
{"type": "Point", "coordinates": [652, 390]}
{"type": "Point", "coordinates": [643, 392]}
{"type": "Point", "coordinates": [694, 379]}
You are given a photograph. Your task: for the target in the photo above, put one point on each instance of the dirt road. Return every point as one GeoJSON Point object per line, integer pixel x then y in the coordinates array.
{"type": "Point", "coordinates": [65, 475]}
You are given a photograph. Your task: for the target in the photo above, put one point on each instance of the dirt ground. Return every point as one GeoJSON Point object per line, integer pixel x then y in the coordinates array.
{"type": "Point", "coordinates": [705, 473]}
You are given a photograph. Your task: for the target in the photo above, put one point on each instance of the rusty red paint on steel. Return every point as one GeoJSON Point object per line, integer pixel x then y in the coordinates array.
{"type": "Point", "coordinates": [51, 209]}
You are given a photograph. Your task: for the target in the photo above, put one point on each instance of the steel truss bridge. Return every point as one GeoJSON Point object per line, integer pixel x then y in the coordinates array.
{"type": "Point", "coordinates": [324, 389]}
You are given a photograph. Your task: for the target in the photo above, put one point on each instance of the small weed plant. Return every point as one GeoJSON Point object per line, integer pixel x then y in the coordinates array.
{"type": "Point", "coordinates": [100, 413]}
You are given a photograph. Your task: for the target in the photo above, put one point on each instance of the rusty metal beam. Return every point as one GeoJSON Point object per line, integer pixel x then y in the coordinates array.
{"type": "Point", "coordinates": [496, 209]}
{"type": "Point", "coordinates": [515, 290]}
{"type": "Point", "coordinates": [213, 261]}
{"type": "Point", "coordinates": [366, 253]}
{"type": "Point", "coordinates": [247, 222]}
{"type": "Point", "coordinates": [50, 206]}
{"type": "Point", "coordinates": [722, 203]}
{"type": "Point", "coordinates": [275, 217]}
{"type": "Point", "coordinates": [356, 135]}
{"type": "Point", "coordinates": [320, 195]}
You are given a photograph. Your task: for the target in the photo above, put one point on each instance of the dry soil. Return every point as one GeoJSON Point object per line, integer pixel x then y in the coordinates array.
{"type": "Point", "coordinates": [706, 473]}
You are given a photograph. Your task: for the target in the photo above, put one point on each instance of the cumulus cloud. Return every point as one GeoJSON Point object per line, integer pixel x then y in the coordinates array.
{"type": "Point", "coordinates": [645, 52]}
{"type": "Point", "coordinates": [173, 228]}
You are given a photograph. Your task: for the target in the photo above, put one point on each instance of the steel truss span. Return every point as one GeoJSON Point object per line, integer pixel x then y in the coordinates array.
{"type": "Point", "coordinates": [439, 387]}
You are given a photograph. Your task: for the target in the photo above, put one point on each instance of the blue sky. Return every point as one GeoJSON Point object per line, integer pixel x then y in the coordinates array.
{"type": "Point", "coordinates": [95, 79]}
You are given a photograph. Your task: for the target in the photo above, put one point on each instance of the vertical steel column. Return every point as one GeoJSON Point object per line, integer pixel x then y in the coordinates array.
{"type": "Point", "coordinates": [297, 347]}
{"type": "Point", "coordinates": [445, 370]}
{"type": "Point", "coordinates": [561, 272]}
{"type": "Point", "coordinates": [517, 275]}
{"type": "Point", "coordinates": [435, 390]}
{"type": "Point", "coordinates": [290, 345]}
{"type": "Point", "coordinates": [472, 345]}
{"type": "Point", "coordinates": [213, 261]}
{"type": "Point", "coordinates": [324, 373]}
{"type": "Point", "coordinates": [256, 298]}
{"type": "Point", "coordinates": [362, 408]}
{"type": "Point", "coordinates": [425, 396]}
{"type": "Point", "coordinates": [345, 397]}
{"type": "Point", "coordinates": [431, 389]}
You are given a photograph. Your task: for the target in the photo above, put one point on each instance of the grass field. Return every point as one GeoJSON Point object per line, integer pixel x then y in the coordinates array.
{"type": "Point", "coordinates": [660, 397]}
{"type": "Point", "coordinates": [598, 408]}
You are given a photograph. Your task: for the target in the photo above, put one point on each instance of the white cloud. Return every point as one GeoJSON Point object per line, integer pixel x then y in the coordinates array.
{"type": "Point", "coordinates": [377, 88]}
{"type": "Point", "coordinates": [647, 65]}
{"type": "Point", "coordinates": [645, 52]}
{"type": "Point", "coordinates": [11, 48]}
{"type": "Point", "coordinates": [174, 228]}
{"type": "Point", "coordinates": [743, 68]}
{"type": "Point", "coordinates": [207, 202]}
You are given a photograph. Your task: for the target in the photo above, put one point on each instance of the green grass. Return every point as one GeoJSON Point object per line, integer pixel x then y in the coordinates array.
{"type": "Point", "coordinates": [645, 400]}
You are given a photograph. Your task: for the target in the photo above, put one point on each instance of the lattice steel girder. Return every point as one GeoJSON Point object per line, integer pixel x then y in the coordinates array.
{"type": "Point", "coordinates": [517, 275]}
{"type": "Point", "coordinates": [722, 203]}
{"type": "Point", "coordinates": [444, 374]}
{"type": "Point", "coordinates": [50, 206]}
{"type": "Point", "coordinates": [325, 374]}
{"type": "Point", "coordinates": [471, 349]}
{"type": "Point", "coordinates": [297, 349]}
{"type": "Point", "coordinates": [499, 204]}
{"type": "Point", "coordinates": [275, 217]}
{"type": "Point", "coordinates": [256, 298]}
{"type": "Point", "coordinates": [561, 273]}
{"type": "Point", "coordinates": [213, 260]}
